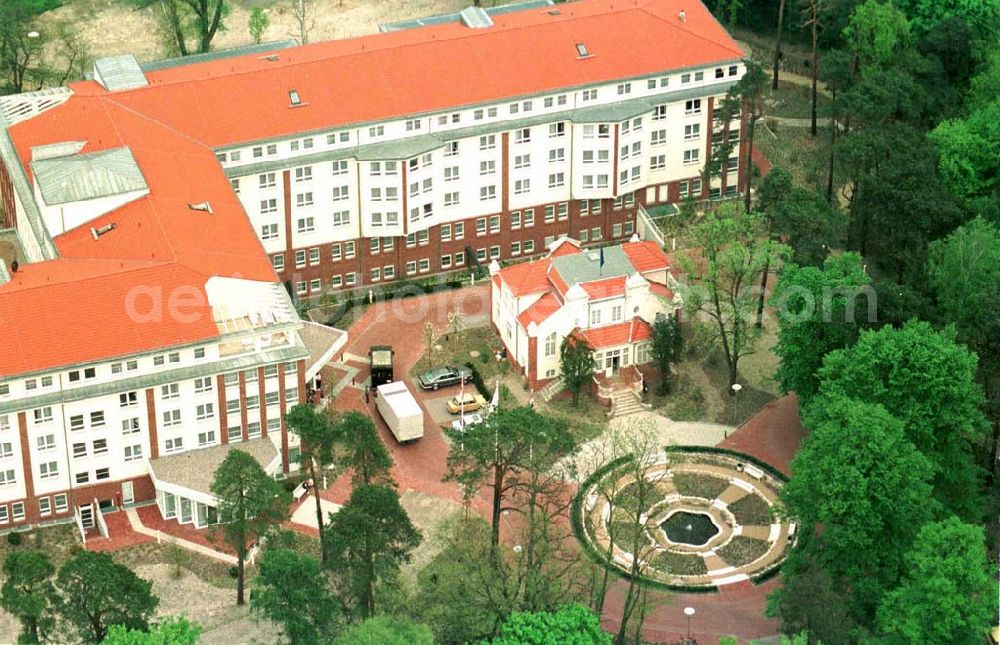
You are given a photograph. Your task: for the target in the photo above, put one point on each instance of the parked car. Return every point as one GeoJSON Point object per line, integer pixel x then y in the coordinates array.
{"type": "Point", "coordinates": [465, 403]}
{"type": "Point", "coordinates": [444, 376]}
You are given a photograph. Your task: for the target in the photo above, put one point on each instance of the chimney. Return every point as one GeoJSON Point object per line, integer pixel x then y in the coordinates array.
{"type": "Point", "coordinates": [682, 16]}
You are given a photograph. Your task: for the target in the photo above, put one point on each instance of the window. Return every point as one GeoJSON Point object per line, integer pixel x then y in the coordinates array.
{"type": "Point", "coordinates": [481, 226]}
{"type": "Point", "coordinates": [691, 156]}
{"type": "Point", "coordinates": [624, 88]}
{"type": "Point", "coordinates": [100, 446]}
{"type": "Point", "coordinates": [451, 149]}
{"type": "Point", "coordinates": [339, 167]}
{"type": "Point", "coordinates": [557, 179]}
{"type": "Point", "coordinates": [515, 219]}
{"type": "Point", "coordinates": [130, 426]}
{"type": "Point", "coordinates": [732, 164]}
{"type": "Point", "coordinates": [340, 193]}
{"type": "Point", "coordinates": [267, 180]}
{"type": "Point", "coordinates": [699, 76]}
{"type": "Point", "coordinates": [451, 173]}
{"type": "Point", "coordinates": [692, 106]}
{"type": "Point", "coordinates": [171, 418]}
{"type": "Point", "coordinates": [305, 225]}
{"type": "Point", "coordinates": [514, 108]}
{"type": "Point", "coordinates": [97, 419]}
{"type": "Point", "coordinates": [171, 391]}
{"type": "Point", "coordinates": [268, 206]}
{"type": "Point", "coordinates": [557, 129]}
{"type": "Point", "coordinates": [494, 224]}
{"type": "Point", "coordinates": [692, 131]}
{"type": "Point", "coordinates": [478, 115]}
{"type": "Point", "coordinates": [487, 167]}
{"type": "Point", "coordinates": [43, 415]}
{"type": "Point", "coordinates": [522, 161]}
{"type": "Point", "coordinates": [48, 470]}
{"type": "Point", "coordinates": [488, 142]}
{"type": "Point", "coordinates": [133, 453]}
{"type": "Point", "coordinates": [550, 344]}
{"type": "Point", "coordinates": [411, 267]}
{"type": "Point", "coordinates": [526, 106]}
{"type": "Point", "coordinates": [658, 162]}
{"type": "Point", "coordinates": [529, 217]}
{"type": "Point", "coordinates": [304, 199]}
{"type": "Point", "coordinates": [719, 72]}
{"type": "Point", "coordinates": [205, 411]}
{"type": "Point", "coordinates": [616, 230]}
{"type": "Point", "coordinates": [376, 131]}
{"type": "Point", "coordinates": [76, 422]}
{"type": "Point", "coordinates": [199, 352]}
{"type": "Point", "coordinates": [424, 265]}
{"type": "Point", "coordinates": [733, 70]}
{"type": "Point", "coordinates": [595, 234]}
{"type": "Point", "coordinates": [550, 214]}
{"type": "Point", "coordinates": [233, 406]}
{"type": "Point", "coordinates": [61, 503]}
{"type": "Point", "coordinates": [658, 138]}
{"type": "Point", "coordinates": [174, 357]}
{"type": "Point", "coordinates": [300, 259]}
{"type": "Point", "coordinates": [487, 193]}
{"type": "Point", "coordinates": [342, 218]}
{"type": "Point", "coordinates": [595, 317]}
{"type": "Point", "coordinates": [208, 438]}
{"type": "Point", "coordinates": [685, 79]}
{"type": "Point", "coordinates": [7, 477]}
{"type": "Point", "coordinates": [18, 510]}
{"type": "Point", "coordinates": [375, 274]}
{"type": "Point", "coordinates": [459, 230]}
{"type": "Point", "coordinates": [174, 444]}
{"type": "Point", "coordinates": [522, 186]}
{"type": "Point", "coordinates": [562, 210]}
{"type": "Point", "coordinates": [590, 95]}
{"type": "Point", "coordinates": [413, 124]}
{"type": "Point", "coordinates": [127, 399]}
{"type": "Point", "coordinates": [522, 136]}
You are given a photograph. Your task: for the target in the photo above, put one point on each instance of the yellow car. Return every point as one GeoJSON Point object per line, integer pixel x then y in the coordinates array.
{"type": "Point", "coordinates": [469, 402]}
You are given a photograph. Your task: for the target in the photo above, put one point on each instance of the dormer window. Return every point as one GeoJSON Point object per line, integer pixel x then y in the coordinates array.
{"type": "Point", "coordinates": [581, 50]}
{"type": "Point", "coordinates": [294, 99]}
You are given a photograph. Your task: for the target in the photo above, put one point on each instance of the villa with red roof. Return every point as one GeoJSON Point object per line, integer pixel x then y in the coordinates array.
{"type": "Point", "coordinates": [607, 297]}
{"type": "Point", "coordinates": [161, 219]}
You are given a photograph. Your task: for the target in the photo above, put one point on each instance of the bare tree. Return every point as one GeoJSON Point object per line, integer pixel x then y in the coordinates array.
{"type": "Point", "coordinates": [811, 10]}
{"type": "Point", "coordinates": [303, 12]}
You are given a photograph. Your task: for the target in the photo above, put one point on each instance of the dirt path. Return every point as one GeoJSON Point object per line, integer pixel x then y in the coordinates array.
{"type": "Point", "coordinates": [112, 27]}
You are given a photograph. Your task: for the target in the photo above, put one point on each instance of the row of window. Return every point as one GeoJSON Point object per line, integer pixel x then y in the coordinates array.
{"type": "Point", "coordinates": [15, 512]}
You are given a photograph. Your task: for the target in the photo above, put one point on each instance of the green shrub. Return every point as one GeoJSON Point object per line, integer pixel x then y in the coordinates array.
{"type": "Point", "coordinates": [234, 572]}
{"type": "Point", "coordinates": [697, 485]}
{"type": "Point", "coordinates": [742, 550]}
{"type": "Point", "coordinates": [14, 539]}
{"type": "Point", "coordinates": [751, 510]}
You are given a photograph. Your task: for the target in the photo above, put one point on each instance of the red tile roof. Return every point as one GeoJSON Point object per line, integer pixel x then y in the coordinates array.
{"type": "Point", "coordinates": [661, 290]}
{"type": "Point", "coordinates": [540, 310]}
{"type": "Point", "coordinates": [646, 256]}
{"type": "Point", "coordinates": [383, 76]}
{"type": "Point", "coordinates": [565, 246]}
{"type": "Point", "coordinates": [607, 288]}
{"type": "Point", "coordinates": [527, 277]}
{"type": "Point", "coordinates": [632, 331]}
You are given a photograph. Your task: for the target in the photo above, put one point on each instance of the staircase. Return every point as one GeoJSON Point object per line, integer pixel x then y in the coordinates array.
{"type": "Point", "coordinates": [555, 386]}
{"type": "Point", "coordinates": [624, 402]}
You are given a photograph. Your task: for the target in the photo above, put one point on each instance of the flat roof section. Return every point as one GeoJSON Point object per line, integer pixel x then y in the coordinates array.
{"type": "Point", "coordinates": [195, 469]}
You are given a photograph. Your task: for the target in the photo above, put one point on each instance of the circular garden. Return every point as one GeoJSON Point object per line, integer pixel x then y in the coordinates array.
{"type": "Point", "coordinates": [697, 519]}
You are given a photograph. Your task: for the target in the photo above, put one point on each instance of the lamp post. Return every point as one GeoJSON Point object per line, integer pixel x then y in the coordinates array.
{"type": "Point", "coordinates": [736, 404]}
{"type": "Point", "coordinates": [689, 611]}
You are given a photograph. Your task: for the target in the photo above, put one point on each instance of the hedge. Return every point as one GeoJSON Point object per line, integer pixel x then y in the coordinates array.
{"type": "Point", "coordinates": [768, 468]}
{"type": "Point", "coordinates": [477, 380]}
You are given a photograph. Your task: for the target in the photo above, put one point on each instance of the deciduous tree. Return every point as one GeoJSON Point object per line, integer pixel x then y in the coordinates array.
{"type": "Point", "coordinates": [258, 24]}
{"type": "Point", "coordinates": [293, 592]}
{"type": "Point", "coordinates": [94, 592]}
{"type": "Point", "coordinates": [948, 592]}
{"type": "Point", "coordinates": [572, 623]}
{"type": "Point", "coordinates": [251, 504]}
{"type": "Point", "coordinates": [27, 592]}
{"type": "Point", "coordinates": [186, 20]}
{"type": "Point", "coordinates": [732, 249]}
{"type": "Point", "coordinates": [926, 380]}
{"type": "Point", "coordinates": [875, 33]}
{"type": "Point", "coordinates": [386, 630]}
{"type": "Point", "coordinates": [174, 630]}
{"type": "Point", "coordinates": [577, 364]}
{"type": "Point", "coordinates": [370, 537]}
{"type": "Point", "coordinates": [859, 478]}
{"type": "Point", "coordinates": [817, 313]}
{"type": "Point", "coordinates": [666, 348]}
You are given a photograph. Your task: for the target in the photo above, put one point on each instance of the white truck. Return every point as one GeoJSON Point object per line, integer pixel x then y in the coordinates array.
{"type": "Point", "coordinates": [401, 412]}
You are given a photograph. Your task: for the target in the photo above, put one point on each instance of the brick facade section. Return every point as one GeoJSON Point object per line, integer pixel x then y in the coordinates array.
{"type": "Point", "coordinates": [243, 406]}
{"type": "Point", "coordinates": [154, 443]}
{"type": "Point", "coordinates": [283, 407]}
{"type": "Point", "coordinates": [262, 383]}
{"type": "Point", "coordinates": [220, 386]}
{"type": "Point", "coordinates": [7, 199]}
{"type": "Point", "coordinates": [29, 480]}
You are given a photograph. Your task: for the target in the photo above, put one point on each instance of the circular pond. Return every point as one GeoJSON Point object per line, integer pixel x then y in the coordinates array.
{"type": "Point", "coordinates": [684, 527]}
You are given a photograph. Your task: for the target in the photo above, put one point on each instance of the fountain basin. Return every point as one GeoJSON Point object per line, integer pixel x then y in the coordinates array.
{"type": "Point", "coordinates": [689, 527]}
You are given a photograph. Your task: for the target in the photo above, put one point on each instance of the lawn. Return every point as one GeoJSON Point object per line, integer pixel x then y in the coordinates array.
{"type": "Point", "coordinates": [794, 101]}
{"type": "Point", "coordinates": [477, 346]}
{"type": "Point", "coordinates": [795, 150]}
{"type": "Point", "coordinates": [704, 486]}
{"type": "Point", "coordinates": [680, 564]}
{"type": "Point", "coordinates": [586, 420]}
{"type": "Point", "coordinates": [751, 510]}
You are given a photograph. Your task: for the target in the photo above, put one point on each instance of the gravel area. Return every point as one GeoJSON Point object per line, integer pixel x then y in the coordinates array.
{"type": "Point", "coordinates": [110, 27]}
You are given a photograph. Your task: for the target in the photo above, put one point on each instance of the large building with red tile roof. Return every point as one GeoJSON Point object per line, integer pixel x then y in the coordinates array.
{"type": "Point", "coordinates": [162, 217]}
{"type": "Point", "coordinates": [607, 297]}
